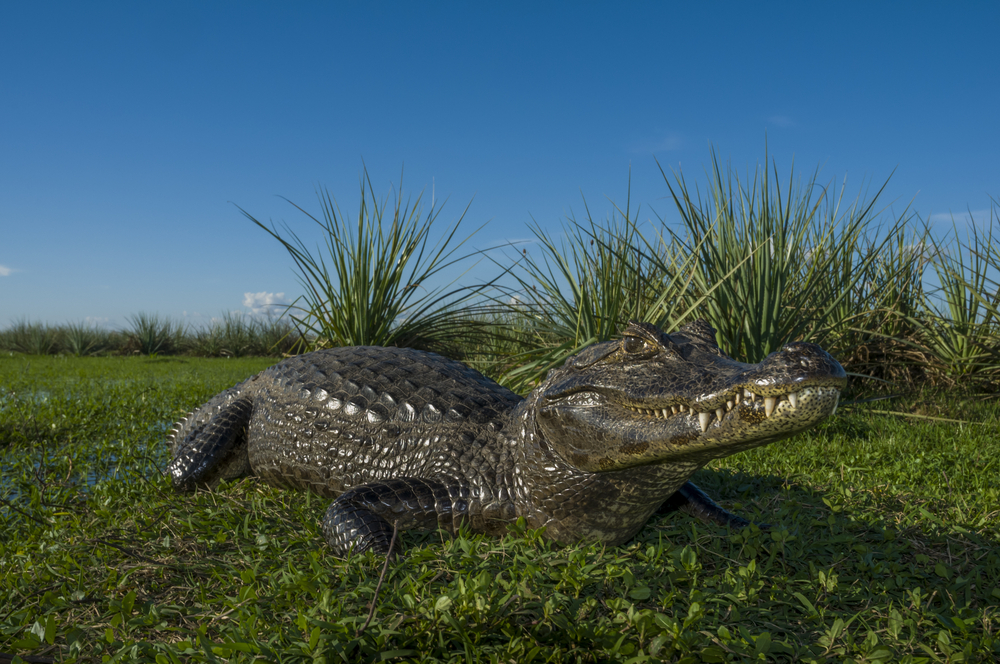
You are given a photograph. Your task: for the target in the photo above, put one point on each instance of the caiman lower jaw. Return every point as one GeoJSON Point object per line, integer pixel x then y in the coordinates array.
{"type": "Point", "coordinates": [742, 395]}
{"type": "Point", "coordinates": [594, 434]}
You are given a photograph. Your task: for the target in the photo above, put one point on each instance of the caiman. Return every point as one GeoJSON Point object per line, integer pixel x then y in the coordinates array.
{"type": "Point", "coordinates": [409, 439]}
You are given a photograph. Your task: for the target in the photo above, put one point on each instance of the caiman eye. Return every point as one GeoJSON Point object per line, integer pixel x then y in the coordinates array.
{"type": "Point", "coordinates": [636, 345]}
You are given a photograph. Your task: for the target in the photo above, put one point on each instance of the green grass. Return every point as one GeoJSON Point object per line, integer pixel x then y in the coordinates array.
{"type": "Point", "coordinates": [885, 547]}
{"type": "Point", "coordinates": [234, 334]}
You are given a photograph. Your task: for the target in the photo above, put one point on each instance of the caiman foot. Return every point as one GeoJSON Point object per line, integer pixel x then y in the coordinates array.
{"type": "Point", "coordinates": [362, 518]}
{"type": "Point", "coordinates": [689, 498]}
{"type": "Point", "coordinates": [210, 444]}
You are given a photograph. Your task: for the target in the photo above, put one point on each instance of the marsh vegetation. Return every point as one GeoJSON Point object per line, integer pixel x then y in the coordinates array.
{"type": "Point", "coordinates": [887, 517]}
{"type": "Point", "coordinates": [764, 259]}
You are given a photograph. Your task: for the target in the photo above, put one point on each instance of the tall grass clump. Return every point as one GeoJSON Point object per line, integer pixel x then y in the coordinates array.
{"type": "Point", "coordinates": [278, 336]}
{"type": "Point", "coordinates": [28, 338]}
{"type": "Point", "coordinates": [574, 292]}
{"type": "Point", "coordinates": [585, 287]}
{"type": "Point", "coordinates": [989, 296]}
{"type": "Point", "coordinates": [372, 281]}
{"type": "Point", "coordinates": [880, 338]}
{"type": "Point", "coordinates": [239, 335]}
{"type": "Point", "coordinates": [959, 327]}
{"type": "Point", "coordinates": [82, 339]}
{"type": "Point", "coordinates": [151, 334]}
{"type": "Point", "coordinates": [779, 262]}
{"type": "Point", "coordinates": [234, 335]}
{"type": "Point", "coordinates": [498, 336]}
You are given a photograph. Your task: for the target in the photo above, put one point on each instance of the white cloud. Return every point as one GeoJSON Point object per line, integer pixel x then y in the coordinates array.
{"type": "Point", "coordinates": [264, 303]}
{"type": "Point", "coordinates": [662, 143]}
{"type": "Point", "coordinates": [980, 216]}
{"type": "Point", "coordinates": [5, 271]}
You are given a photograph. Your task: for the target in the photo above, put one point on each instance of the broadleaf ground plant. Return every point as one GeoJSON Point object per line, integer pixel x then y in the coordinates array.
{"type": "Point", "coordinates": [884, 547]}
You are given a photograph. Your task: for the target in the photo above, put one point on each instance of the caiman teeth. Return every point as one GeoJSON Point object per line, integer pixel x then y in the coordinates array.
{"type": "Point", "coordinates": [704, 419]}
{"type": "Point", "coordinates": [769, 404]}
{"type": "Point", "coordinates": [742, 395]}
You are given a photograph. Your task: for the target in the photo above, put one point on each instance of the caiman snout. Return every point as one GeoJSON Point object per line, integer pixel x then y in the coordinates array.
{"type": "Point", "coordinates": [802, 362]}
{"type": "Point", "coordinates": [656, 398]}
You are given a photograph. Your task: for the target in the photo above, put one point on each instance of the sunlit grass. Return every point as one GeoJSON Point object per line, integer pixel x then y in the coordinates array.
{"type": "Point", "coordinates": [29, 338]}
{"type": "Point", "coordinates": [151, 334]}
{"type": "Point", "coordinates": [236, 335]}
{"type": "Point", "coordinates": [575, 292]}
{"type": "Point", "coordinates": [884, 548]}
{"type": "Point", "coordinates": [962, 332]}
{"type": "Point", "coordinates": [780, 261]}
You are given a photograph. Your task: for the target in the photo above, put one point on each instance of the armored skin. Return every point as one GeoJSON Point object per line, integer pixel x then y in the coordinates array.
{"type": "Point", "coordinates": [409, 438]}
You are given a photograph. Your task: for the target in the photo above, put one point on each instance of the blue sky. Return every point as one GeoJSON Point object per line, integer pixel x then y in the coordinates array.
{"type": "Point", "coordinates": [131, 130]}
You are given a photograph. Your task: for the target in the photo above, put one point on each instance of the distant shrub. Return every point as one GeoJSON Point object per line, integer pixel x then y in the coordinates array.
{"type": "Point", "coordinates": [29, 338]}
{"type": "Point", "coordinates": [765, 264]}
{"type": "Point", "coordinates": [238, 335]}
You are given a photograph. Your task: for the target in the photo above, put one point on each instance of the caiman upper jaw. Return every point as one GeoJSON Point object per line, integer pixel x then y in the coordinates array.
{"type": "Point", "coordinates": [595, 435]}
{"type": "Point", "coordinates": [742, 395]}
{"type": "Point", "coordinates": [612, 409]}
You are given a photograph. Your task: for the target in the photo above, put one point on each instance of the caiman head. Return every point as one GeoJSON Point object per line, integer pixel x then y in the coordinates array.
{"type": "Point", "coordinates": [653, 397]}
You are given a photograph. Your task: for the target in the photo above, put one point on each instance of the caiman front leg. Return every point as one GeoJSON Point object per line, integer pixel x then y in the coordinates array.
{"type": "Point", "coordinates": [210, 444]}
{"type": "Point", "coordinates": [689, 498]}
{"type": "Point", "coordinates": [362, 518]}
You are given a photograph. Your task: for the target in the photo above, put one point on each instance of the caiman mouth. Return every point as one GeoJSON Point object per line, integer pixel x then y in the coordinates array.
{"type": "Point", "coordinates": [658, 398]}
{"type": "Point", "coordinates": [742, 395]}
{"type": "Point", "coordinates": [596, 432]}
